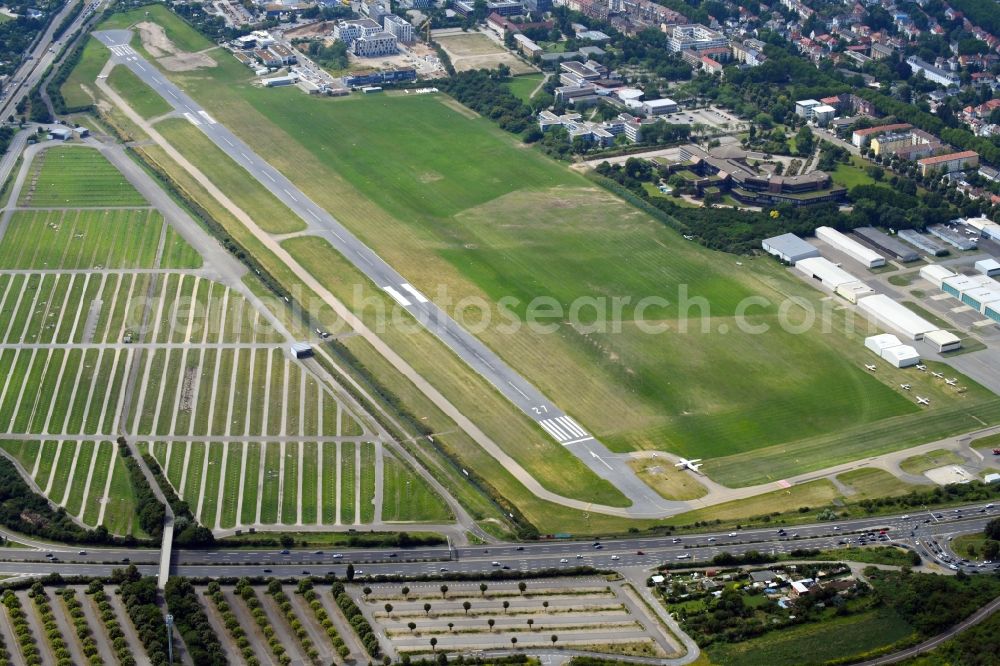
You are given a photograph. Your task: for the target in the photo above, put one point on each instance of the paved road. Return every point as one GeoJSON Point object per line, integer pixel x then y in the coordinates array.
{"type": "Point", "coordinates": [550, 418]}
{"type": "Point", "coordinates": [904, 529]}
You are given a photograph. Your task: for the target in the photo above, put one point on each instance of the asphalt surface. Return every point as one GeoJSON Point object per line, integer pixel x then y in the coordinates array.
{"type": "Point", "coordinates": [38, 60]}
{"type": "Point", "coordinates": [552, 420]}
{"type": "Point", "coordinates": [916, 531]}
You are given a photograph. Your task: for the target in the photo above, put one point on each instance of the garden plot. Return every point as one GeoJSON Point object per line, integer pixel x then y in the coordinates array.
{"type": "Point", "coordinates": [238, 484]}
{"type": "Point", "coordinates": [587, 613]}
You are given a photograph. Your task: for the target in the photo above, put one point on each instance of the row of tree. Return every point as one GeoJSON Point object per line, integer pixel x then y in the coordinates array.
{"type": "Point", "coordinates": [202, 643]}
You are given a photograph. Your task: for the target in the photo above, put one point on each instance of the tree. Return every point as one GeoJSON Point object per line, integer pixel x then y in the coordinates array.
{"type": "Point", "coordinates": [412, 626]}
{"type": "Point", "coordinates": [366, 591]}
{"type": "Point", "coordinates": [427, 608]}
{"type": "Point", "coordinates": [286, 541]}
{"type": "Point", "coordinates": [350, 571]}
{"type": "Point", "coordinates": [482, 589]}
{"type": "Point", "coordinates": [545, 605]}
{"type": "Point", "coordinates": [491, 622]}
{"type": "Point", "coordinates": [506, 605]}
{"type": "Point", "coordinates": [406, 592]}
{"type": "Point", "coordinates": [522, 586]}
{"type": "Point", "coordinates": [513, 641]}
{"type": "Point", "coordinates": [434, 643]}
{"type": "Point", "coordinates": [451, 625]}
{"type": "Point", "coordinates": [444, 591]}
{"type": "Point", "coordinates": [992, 529]}
{"type": "Point", "coordinates": [553, 638]}
{"type": "Point", "coordinates": [388, 609]}
{"type": "Point", "coordinates": [466, 605]}
{"type": "Point", "coordinates": [531, 621]}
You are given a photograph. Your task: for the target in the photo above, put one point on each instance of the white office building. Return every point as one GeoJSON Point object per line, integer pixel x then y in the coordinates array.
{"type": "Point", "coordinates": [374, 46]}
{"type": "Point", "coordinates": [695, 37]}
{"type": "Point", "coordinates": [400, 28]}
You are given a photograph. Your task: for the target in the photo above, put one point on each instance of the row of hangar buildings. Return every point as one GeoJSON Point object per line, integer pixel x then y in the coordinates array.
{"type": "Point", "coordinates": [978, 292]}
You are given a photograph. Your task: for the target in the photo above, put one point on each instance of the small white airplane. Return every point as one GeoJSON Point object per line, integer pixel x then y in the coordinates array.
{"type": "Point", "coordinates": [951, 382]}
{"type": "Point", "coordinates": [692, 465]}
{"type": "Point", "coordinates": [938, 375]}
{"type": "Point", "coordinates": [905, 387]}
{"type": "Point", "coordinates": [923, 401]}
{"type": "Point", "coordinates": [869, 367]}
{"type": "Point", "coordinates": [921, 367]}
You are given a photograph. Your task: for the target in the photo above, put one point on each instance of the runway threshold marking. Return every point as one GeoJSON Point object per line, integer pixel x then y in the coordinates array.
{"type": "Point", "coordinates": [413, 292]}
{"type": "Point", "coordinates": [564, 429]}
{"type": "Point", "coordinates": [398, 297]}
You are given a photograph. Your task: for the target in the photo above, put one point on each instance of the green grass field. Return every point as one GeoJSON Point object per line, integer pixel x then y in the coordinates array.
{"type": "Point", "coordinates": [180, 33]}
{"type": "Point", "coordinates": [77, 177]}
{"type": "Point", "coordinates": [816, 643]}
{"type": "Point", "coordinates": [408, 497]}
{"type": "Point", "coordinates": [139, 96]}
{"type": "Point", "coordinates": [79, 88]}
{"type": "Point", "coordinates": [523, 86]}
{"type": "Point", "coordinates": [81, 239]}
{"type": "Point", "coordinates": [925, 461]}
{"type": "Point", "coordinates": [850, 175]}
{"type": "Point", "coordinates": [871, 483]}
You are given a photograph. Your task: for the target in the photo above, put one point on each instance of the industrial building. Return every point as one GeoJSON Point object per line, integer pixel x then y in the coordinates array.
{"type": "Point", "coordinates": [954, 237]}
{"type": "Point", "coordinates": [889, 348]}
{"type": "Point", "coordinates": [886, 243]}
{"type": "Point", "coordinates": [789, 248]}
{"type": "Point", "coordinates": [943, 341]}
{"type": "Point", "coordinates": [659, 107]}
{"type": "Point", "coordinates": [922, 242]}
{"type": "Point", "coordinates": [852, 248]}
{"type": "Point", "coordinates": [834, 278]}
{"type": "Point", "coordinates": [935, 274]}
{"type": "Point", "coordinates": [976, 291]}
{"type": "Point", "coordinates": [988, 267]}
{"type": "Point", "coordinates": [985, 227]}
{"type": "Point", "coordinates": [885, 311]}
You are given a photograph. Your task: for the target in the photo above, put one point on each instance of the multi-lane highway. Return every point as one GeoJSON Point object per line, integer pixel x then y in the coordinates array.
{"type": "Point", "coordinates": [551, 419]}
{"type": "Point", "coordinates": [38, 59]}
{"type": "Point", "coordinates": [916, 531]}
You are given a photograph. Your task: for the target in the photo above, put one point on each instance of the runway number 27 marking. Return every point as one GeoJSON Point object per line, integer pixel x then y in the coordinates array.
{"type": "Point", "coordinates": [540, 409]}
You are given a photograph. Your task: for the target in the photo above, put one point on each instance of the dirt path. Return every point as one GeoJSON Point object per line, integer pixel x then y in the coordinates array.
{"type": "Point", "coordinates": [131, 637]}
{"type": "Point", "coordinates": [319, 638]}
{"type": "Point", "coordinates": [246, 621]}
{"type": "Point", "coordinates": [104, 647]}
{"type": "Point", "coordinates": [357, 652]}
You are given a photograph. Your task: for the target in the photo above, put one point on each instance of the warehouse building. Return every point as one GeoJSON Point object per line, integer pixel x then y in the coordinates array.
{"type": "Point", "coordinates": [960, 284]}
{"type": "Point", "coordinates": [886, 243]}
{"type": "Point", "coordinates": [988, 267]}
{"type": "Point", "coordinates": [985, 227]}
{"type": "Point", "coordinates": [979, 297]}
{"type": "Point", "coordinates": [943, 341]}
{"type": "Point", "coordinates": [935, 274]}
{"type": "Point", "coordinates": [885, 311]}
{"type": "Point", "coordinates": [852, 248]}
{"type": "Point", "coordinates": [789, 248]}
{"type": "Point", "coordinates": [834, 278]}
{"type": "Point", "coordinates": [922, 242]}
{"type": "Point", "coordinates": [954, 238]}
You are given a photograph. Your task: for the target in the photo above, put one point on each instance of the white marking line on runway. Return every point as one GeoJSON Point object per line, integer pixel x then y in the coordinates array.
{"type": "Point", "coordinates": [577, 441]}
{"type": "Point", "coordinates": [484, 361]}
{"type": "Point", "coordinates": [552, 430]}
{"type": "Point", "coordinates": [523, 394]}
{"type": "Point", "coordinates": [398, 297]}
{"type": "Point", "coordinates": [226, 139]}
{"type": "Point", "coordinates": [208, 118]}
{"type": "Point", "coordinates": [270, 176]}
{"type": "Point", "coordinates": [245, 156]}
{"type": "Point", "coordinates": [339, 237]}
{"type": "Point", "coordinates": [139, 65]}
{"type": "Point", "coordinates": [416, 294]}
{"type": "Point", "coordinates": [572, 426]}
{"type": "Point", "coordinates": [173, 94]}
{"type": "Point", "coordinates": [192, 119]}
{"type": "Point", "coordinates": [315, 216]}
{"type": "Point", "coordinates": [294, 198]}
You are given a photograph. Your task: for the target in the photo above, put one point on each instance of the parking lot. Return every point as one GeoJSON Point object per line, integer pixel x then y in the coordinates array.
{"type": "Point", "coordinates": [712, 117]}
{"type": "Point", "coordinates": [588, 613]}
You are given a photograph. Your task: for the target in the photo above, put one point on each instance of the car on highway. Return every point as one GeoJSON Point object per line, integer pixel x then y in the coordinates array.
{"type": "Point", "coordinates": [337, 556]}
{"type": "Point", "coordinates": [615, 557]}
{"type": "Point", "coordinates": [305, 572]}
{"type": "Point", "coordinates": [494, 564]}
{"type": "Point", "coordinates": [639, 552]}
{"type": "Point", "coordinates": [563, 561]}
{"type": "Point", "coordinates": [82, 552]}
{"type": "Point", "coordinates": [283, 552]}
{"type": "Point", "coordinates": [393, 555]}
{"type": "Point", "coordinates": [683, 556]}
{"type": "Point", "coordinates": [579, 556]}
{"type": "Point", "coordinates": [519, 548]}
{"type": "Point", "coordinates": [443, 569]}
{"type": "Point", "coordinates": [732, 534]}
{"type": "Point", "coordinates": [317, 552]}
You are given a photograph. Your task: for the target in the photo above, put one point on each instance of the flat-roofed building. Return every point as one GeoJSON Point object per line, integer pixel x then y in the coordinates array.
{"type": "Point", "coordinates": [949, 163]}
{"type": "Point", "coordinates": [789, 248]}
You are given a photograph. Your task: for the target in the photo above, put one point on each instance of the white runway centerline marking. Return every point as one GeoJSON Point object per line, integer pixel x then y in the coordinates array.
{"type": "Point", "coordinates": [294, 198]}
{"type": "Point", "coordinates": [139, 65]}
{"type": "Point", "coordinates": [270, 176]}
{"type": "Point", "coordinates": [413, 292]}
{"type": "Point", "coordinates": [228, 141]}
{"type": "Point", "coordinates": [398, 297]}
{"type": "Point", "coordinates": [315, 216]}
{"type": "Point", "coordinates": [523, 394]}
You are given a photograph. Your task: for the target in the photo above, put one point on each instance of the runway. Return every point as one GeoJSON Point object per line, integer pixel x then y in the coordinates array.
{"type": "Point", "coordinates": [554, 422]}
